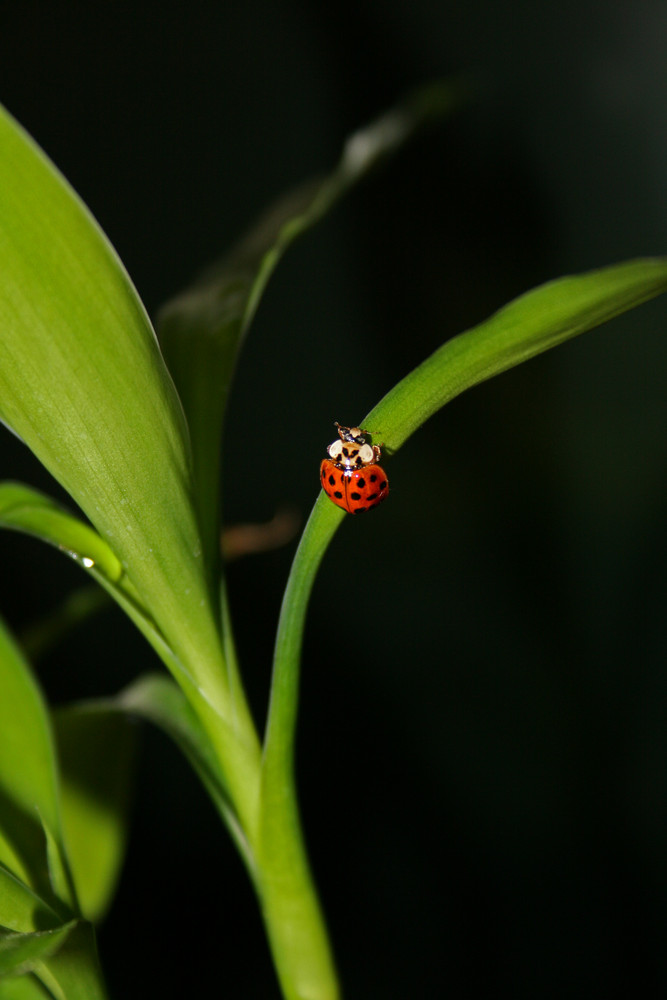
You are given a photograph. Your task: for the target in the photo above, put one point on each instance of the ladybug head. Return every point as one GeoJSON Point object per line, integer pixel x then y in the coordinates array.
{"type": "Point", "coordinates": [353, 435]}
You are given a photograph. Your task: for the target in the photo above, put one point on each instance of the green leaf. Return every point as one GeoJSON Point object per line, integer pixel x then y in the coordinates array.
{"type": "Point", "coordinates": [25, 509]}
{"type": "Point", "coordinates": [83, 383]}
{"type": "Point", "coordinates": [29, 793]}
{"type": "Point", "coordinates": [533, 323]}
{"type": "Point", "coordinates": [201, 330]}
{"type": "Point", "coordinates": [542, 318]}
{"type": "Point", "coordinates": [19, 953]}
{"type": "Point", "coordinates": [21, 909]}
{"type": "Point", "coordinates": [96, 748]}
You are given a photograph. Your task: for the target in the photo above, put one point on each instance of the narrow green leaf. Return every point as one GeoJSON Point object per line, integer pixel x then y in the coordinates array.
{"type": "Point", "coordinates": [21, 909]}
{"type": "Point", "coordinates": [96, 747]}
{"type": "Point", "coordinates": [201, 330]}
{"type": "Point", "coordinates": [28, 775]}
{"type": "Point", "coordinates": [60, 876]}
{"type": "Point", "coordinates": [25, 509]}
{"type": "Point", "coordinates": [83, 383]}
{"type": "Point", "coordinates": [533, 323]}
{"type": "Point", "coordinates": [20, 842]}
{"type": "Point", "coordinates": [19, 953]}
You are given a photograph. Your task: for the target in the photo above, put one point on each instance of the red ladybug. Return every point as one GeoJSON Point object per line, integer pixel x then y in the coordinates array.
{"type": "Point", "coordinates": [351, 477]}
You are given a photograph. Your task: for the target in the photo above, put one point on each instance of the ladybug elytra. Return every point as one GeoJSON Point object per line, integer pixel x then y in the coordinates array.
{"type": "Point", "coordinates": [351, 477]}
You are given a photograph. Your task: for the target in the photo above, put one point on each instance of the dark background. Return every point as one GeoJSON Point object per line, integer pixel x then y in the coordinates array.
{"type": "Point", "coordinates": [483, 766]}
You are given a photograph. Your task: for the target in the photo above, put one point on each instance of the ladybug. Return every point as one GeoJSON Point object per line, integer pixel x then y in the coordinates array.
{"type": "Point", "coordinates": [351, 477]}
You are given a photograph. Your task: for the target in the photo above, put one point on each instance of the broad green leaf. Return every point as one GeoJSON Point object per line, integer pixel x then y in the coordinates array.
{"type": "Point", "coordinates": [158, 700]}
{"type": "Point", "coordinates": [19, 953]}
{"type": "Point", "coordinates": [201, 330]}
{"type": "Point", "coordinates": [83, 383]}
{"type": "Point", "coordinates": [21, 909]}
{"type": "Point", "coordinates": [96, 748]}
{"type": "Point", "coordinates": [29, 794]}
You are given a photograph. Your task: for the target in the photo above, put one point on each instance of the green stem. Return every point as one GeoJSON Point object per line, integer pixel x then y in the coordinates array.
{"type": "Point", "coordinates": [292, 912]}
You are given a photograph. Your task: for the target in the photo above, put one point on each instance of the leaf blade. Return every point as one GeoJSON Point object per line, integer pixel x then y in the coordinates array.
{"type": "Point", "coordinates": [83, 383]}
{"type": "Point", "coordinates": [21, 909]}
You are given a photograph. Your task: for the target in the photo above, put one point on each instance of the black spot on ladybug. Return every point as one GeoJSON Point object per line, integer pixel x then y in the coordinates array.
{"type": "Point", "coordinates": [338, 494]}
{"type": "Point", "coordinates": [361, 483]}
{"type": "Point", "coordinates": [372, 477]}
{"type": "Point", "coordinates": [355, 496]}
{"type": "Point", "coordinates": [383, 484]}
{"type": "Point", "coordinates": [372, 497]}
{"type": "Point", "coordinates": [332, 480]}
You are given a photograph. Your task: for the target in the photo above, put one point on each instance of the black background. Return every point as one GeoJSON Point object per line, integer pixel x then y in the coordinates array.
{"type": "Point", "coordinates": [482, 738]}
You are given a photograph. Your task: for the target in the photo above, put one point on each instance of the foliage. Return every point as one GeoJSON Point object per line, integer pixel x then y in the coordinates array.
{"type": "Point", "coordinates": [135, 442]}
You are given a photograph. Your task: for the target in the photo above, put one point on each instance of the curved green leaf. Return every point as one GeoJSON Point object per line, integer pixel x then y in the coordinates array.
{"type": "Point", "coordinates": [83, 383]}
{"type": "Point", "coordinates": [542, 318]}
{"type": "Point", "coordinates": [25, 509]}
{"type": "Point", "coordinates": [531, 324]}
{"type": "Point", "coordinates": [96, 748]}
{"type": "Point", "coordinates": [201, 330]}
